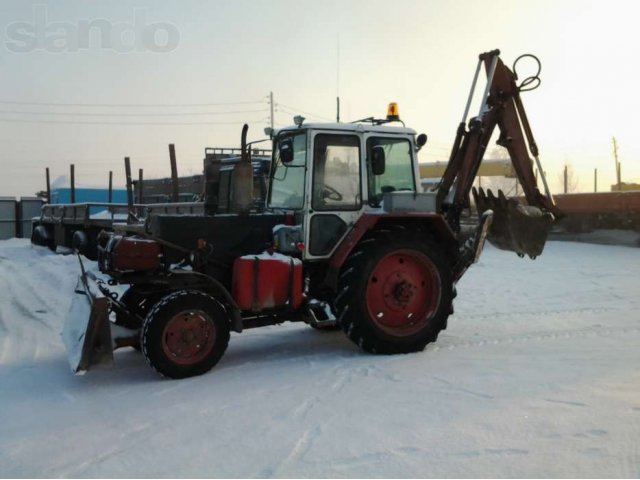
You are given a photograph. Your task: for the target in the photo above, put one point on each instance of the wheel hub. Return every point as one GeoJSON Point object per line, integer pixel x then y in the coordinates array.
{"type": "Point", "coordinates": [188, 337]}
{"type": "Point", "coordinates": [403, 292]}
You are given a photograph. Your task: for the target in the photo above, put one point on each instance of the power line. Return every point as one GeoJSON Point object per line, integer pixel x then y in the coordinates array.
{"type": "Point", "coordinates": [298, 110]}
{"type": "Point", "coordinates": [125, 105]}
{"type": "Point", "coordinates": [73, 122]}
{"type": "Point", "coordinates": [128, 114]}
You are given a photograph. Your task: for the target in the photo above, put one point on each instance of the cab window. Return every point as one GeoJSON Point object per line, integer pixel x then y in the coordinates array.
{"type": "Point", "coordinates": [336, 172]}
{"type": "Point", "coordinates": [398, 174]}
{"type": "Point", "coordinates": [287, 181]}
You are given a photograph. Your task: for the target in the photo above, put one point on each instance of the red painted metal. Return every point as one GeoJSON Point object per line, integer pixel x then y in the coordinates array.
{"type": "Point", "coordinates": [189, 337]}
{"type": "Point", "coordinates": [403, 292]}
{"type": "Point", "coordinates": [369, 221]}
{"type": "Point", "coordinates": [262, 282]}
{"type": "Point", "coordinates": [133, 253]}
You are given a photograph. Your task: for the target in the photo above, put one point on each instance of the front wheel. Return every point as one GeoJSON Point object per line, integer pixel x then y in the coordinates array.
{"type": "Point", "coordinates": [394, 294]}
{"type": "Point", "coordinates": [185, 334]}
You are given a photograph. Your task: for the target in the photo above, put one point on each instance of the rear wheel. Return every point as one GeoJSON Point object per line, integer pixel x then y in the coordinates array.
{"type": "Point", "coordinates": [185, 334]}
{"type": "Point", "coordinates": [394, 294]}
{"type": "Point", "coordinates": [43, 237]}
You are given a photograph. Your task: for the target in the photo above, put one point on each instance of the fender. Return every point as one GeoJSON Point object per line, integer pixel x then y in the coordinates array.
{"type": "Point", "coordinates": [200, 281]}
{"type": "Point", "coordinates": [435, 223]}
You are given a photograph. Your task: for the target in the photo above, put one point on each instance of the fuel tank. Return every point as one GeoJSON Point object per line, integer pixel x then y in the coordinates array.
{"type": "Point", "coordinates": [267, 281]}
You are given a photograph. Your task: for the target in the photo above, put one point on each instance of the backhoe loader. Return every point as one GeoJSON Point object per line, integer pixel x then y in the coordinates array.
{"type": "Point", "coordinates": [346, 240]}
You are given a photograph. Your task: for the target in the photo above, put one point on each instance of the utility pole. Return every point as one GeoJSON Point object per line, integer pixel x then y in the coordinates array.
{"type": "Point", "coordinates": [595, 180]}
{"type": "Point", "coordinates": [615, 158]}
{"type": "Point", "coordinates": [566, 180]}
{"type": "Point", "coordinates": [271, 108]}
{"type": "Point", "coordinates": [175, 189]}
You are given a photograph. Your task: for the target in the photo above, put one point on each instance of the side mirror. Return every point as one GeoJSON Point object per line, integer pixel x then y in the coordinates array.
{"type": "Point", "coordinates": [285, 147]}
{"type": "Point", "coordinates": [421, 140]}
{"type": "Point", "coordinates": [378, 160]}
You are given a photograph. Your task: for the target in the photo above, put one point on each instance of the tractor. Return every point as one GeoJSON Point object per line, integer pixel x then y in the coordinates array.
{"type": "Point", "coordinates": [345, 241]}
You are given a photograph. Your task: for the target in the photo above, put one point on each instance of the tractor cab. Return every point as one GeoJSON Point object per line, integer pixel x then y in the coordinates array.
{"type": "Point", "coordinates": [330, 174]}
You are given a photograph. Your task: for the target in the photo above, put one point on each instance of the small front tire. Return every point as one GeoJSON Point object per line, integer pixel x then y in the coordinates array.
{"type": "Point", "coordinates": [185, 334]}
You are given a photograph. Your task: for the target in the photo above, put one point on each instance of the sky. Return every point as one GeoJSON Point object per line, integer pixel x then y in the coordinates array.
{"type": "Point", "coordinates": [190, 72]}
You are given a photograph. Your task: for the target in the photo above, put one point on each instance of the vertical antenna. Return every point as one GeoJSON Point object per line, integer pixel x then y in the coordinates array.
{"type": "Point", "coordinates": [271, 108]}
{"type": "Point", "coordinates": [338, 80]}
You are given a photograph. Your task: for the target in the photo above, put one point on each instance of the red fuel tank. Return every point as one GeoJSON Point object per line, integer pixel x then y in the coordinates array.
{"type": "Point", "coordinates": [132, 253]}
{"type": "Point", "coordinates": [265, 281]}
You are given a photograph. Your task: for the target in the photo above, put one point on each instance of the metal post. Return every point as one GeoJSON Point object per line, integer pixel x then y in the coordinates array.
{"type": "Point", "coordinates": [110, 195]}
{"type": "Point", "coordinates": [48, 187]}
{"type": "Point", "coordinates": [127, 172]}
{"type": "Point", "coordinates": [595, 180]}
{"type": "Point", "coordinates": [140, 180]}
{"type": "Point", "coordinates": [174, 172]}
{"type": "Point", "coordinates": [73, 183]}
{"type": "Point", "coordinates": [271, 109]}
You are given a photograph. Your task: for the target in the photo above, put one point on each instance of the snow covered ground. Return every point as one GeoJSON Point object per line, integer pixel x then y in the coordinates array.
{"type": "Point", "coordinates": [538, 375]}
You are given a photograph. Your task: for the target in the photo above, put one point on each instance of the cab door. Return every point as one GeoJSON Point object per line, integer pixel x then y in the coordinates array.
{"type": "Point", "coordinates": [335, 190]}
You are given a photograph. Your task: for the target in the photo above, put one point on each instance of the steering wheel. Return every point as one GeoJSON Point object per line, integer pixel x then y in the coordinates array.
{"type": "Point", "coordinates": [331, 193]}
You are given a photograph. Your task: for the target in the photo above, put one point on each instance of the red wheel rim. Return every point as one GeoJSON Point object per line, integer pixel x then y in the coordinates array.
{"type": "Point", "coordinates": [403, 292]}
{"type": "Point", "coordinates": [188, 337]}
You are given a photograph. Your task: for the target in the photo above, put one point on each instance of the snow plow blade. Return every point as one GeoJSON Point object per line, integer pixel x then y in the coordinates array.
{"type": "Point", "coordinates": [87, 332]}
{"type": "Point", "coordinates": [518, 228]}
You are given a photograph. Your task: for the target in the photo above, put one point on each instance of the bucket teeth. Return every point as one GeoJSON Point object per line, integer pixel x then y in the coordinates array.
{"type": "Point", "coordinates": [518, 228]}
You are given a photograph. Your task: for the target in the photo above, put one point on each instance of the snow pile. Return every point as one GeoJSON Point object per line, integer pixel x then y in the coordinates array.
{"type": "Point", "coordinates": [537, 376]}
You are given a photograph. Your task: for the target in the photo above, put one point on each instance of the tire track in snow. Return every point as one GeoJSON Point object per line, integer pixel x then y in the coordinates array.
{"type": "Point", "coordinates": [297, 452]}
{"type": "Point", "coordinates": [537, 313]}
{"type": "Point", "coordinates": [128, 441]}
{"type": "Point", "coordinates": [540, 336]}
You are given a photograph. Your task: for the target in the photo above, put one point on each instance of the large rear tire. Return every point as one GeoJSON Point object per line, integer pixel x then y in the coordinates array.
{"type": "Point", "coordinates": [185, 334]}
{"type": "Point", "coordinates": [394, 293]}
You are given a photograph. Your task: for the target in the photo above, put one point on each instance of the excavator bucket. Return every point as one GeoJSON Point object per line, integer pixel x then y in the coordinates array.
{"type": "Point", "coordinates": [87, 331]}
{"type": "Point", "coordinates": [518, 228]}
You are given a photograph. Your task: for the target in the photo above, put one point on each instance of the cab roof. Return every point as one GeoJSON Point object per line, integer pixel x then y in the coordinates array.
{"type": "Point", "coordinates": [349, 127]}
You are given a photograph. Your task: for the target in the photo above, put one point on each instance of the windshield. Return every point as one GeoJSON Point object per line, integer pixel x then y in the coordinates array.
{"type": "Point", "coordinates": [398, 174]}
{"type": "Point", "coordinates": [286, 190]}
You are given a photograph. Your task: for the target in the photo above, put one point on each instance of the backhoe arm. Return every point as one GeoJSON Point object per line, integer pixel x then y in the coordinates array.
{"type": "Point", "coordinates": [518, 228]}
